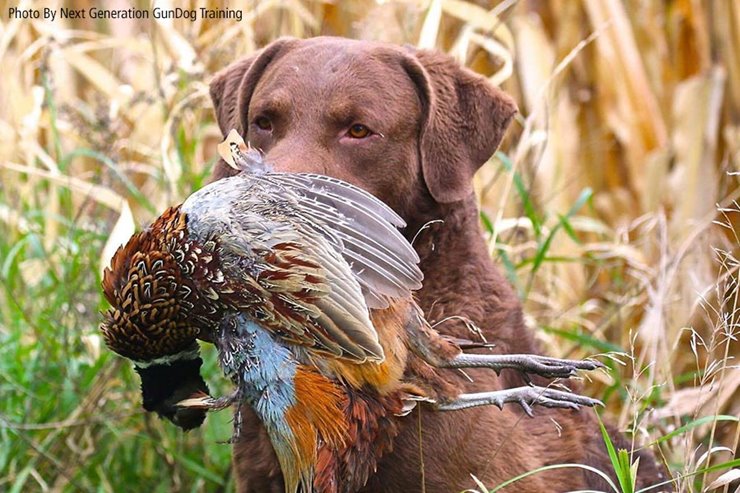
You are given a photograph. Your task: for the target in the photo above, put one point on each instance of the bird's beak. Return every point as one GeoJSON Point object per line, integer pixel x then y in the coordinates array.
{"type": "Point", "coordinates": [200, 400]}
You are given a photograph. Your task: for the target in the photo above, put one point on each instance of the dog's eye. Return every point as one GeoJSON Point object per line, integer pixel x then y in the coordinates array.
{"type": "Point", "coordinates": [358, 131]}
{"type": "Point", "coordinates": [263, 123]}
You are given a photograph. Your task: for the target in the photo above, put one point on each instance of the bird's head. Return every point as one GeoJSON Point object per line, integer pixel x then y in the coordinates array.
{"type": "Point", "coordinates": [166, 382]}
{"type": "Point", "coordinates": [149, 320]}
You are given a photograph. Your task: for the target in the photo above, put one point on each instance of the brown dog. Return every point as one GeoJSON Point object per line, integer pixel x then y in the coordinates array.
{"type": "Point", "coordinates": [412, 127]}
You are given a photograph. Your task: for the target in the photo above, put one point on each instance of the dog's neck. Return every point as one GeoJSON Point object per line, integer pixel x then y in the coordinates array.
{"type": "Point", "coordinates": [452, 250]}
{"type": "Point", "coordinates": [459, 275]}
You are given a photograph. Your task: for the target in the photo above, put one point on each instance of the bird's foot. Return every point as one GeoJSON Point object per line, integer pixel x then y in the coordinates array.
{"type": "Point", "coordinates": [208, 403]}
{"type": "Point", "coordinates": [525, 363]}
{"type": "Point", "coordinates": [524, 396]}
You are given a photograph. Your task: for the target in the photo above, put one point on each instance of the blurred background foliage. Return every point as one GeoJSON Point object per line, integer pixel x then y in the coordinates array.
{"type": "Point", "coordinates": [611, 206]}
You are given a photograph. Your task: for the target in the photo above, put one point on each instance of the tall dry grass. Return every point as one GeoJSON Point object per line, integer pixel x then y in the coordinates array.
{"type": "Point", "coordinates": [611, 207]}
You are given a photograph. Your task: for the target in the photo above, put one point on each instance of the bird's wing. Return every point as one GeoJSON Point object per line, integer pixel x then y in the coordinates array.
{"type": "Point", "coordinates": [358, 226]}
{"type": "Point", "coordinates": [290, 279]}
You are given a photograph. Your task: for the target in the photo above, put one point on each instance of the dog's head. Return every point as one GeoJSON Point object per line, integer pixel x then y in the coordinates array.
{"type": "Point", "coordinates": [409, 126]}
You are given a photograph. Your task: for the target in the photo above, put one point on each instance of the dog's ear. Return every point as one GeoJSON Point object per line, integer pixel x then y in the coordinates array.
{"type": "Point", "coordinates": [231, 88]}
{"type": "Point", "coordinates": [231, 91]}
{"type": "Point", "coordinates": [464, 118]}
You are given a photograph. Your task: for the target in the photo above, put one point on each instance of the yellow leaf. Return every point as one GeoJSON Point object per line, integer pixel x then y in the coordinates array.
{"type": "Point", "coordinates": [119, 235]}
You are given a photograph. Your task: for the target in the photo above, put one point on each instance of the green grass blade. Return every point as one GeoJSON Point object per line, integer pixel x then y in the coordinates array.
{"type": "Point", "coordinates": [513, 480]}
{"type": "Point", "coordinates": [523, 193]}
{"type": "Point", "coordinates": [693, 424]}
{"type": "Point", "coordinates": [620, 461]}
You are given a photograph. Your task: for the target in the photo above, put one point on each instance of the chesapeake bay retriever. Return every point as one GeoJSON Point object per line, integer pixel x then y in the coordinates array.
{"type": "Point", "coordinates": [412, 127]}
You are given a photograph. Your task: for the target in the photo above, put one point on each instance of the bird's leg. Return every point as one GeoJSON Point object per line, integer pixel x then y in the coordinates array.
{"type": "Point", "coordinates": [524, 396]}
{"type": "Point", "coordinates": [526, 363]}
{"type": "Point", "coordinates": [441, 352]}
{"type": "Point", "coordinates": [468, 344]}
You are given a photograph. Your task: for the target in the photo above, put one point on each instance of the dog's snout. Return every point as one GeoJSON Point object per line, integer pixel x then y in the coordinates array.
{"type": "Point", "coordinates": [296, 165]}
{"type": "Point", "coordinates": [300, 158]}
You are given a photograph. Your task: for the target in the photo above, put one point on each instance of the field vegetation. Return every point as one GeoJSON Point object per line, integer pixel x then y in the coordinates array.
{"type": "Point", "coordinates": [611, 206]}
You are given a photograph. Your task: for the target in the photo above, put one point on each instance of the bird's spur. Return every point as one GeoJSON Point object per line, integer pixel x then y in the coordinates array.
{"type": "Point", "coordinates": [304, 284]}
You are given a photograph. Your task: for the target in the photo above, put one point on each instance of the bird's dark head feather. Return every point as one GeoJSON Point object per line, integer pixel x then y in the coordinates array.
{"type": "Point", "coordinates": [164, 385]}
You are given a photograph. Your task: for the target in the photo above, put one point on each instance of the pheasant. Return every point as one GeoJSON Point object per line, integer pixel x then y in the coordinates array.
{"type": "Point", "coordinates": [304, 284]}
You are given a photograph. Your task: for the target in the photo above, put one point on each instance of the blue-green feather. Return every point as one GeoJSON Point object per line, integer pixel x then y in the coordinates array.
{"type": "Point", "coordinates": [262, 369]}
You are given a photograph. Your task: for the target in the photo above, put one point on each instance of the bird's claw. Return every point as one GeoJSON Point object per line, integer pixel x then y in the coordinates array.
{"type": "Point", "coordinates": [524, 396]}
{"type": "Point", "coordinates": [526, 363]}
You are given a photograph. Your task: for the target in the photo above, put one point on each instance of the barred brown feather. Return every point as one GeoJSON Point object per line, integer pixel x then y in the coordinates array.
{"type": "Point", "coordinates": [156, 309]}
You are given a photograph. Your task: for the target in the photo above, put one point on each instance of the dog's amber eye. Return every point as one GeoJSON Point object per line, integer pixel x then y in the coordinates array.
{"type": "Point", "coordinates": [358, 131]}
{"type": "Point", "coordinates": [263, 123]}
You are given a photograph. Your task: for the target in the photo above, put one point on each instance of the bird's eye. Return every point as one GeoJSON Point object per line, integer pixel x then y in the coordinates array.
{"type": "Point", "coordinates": [263, 123]}
{"type": "Point", "coordinates": [358, 131]}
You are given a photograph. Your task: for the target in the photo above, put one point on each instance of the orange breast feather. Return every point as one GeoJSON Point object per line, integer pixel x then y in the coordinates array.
{"type": "Point", "coordinates": [319, 408]}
